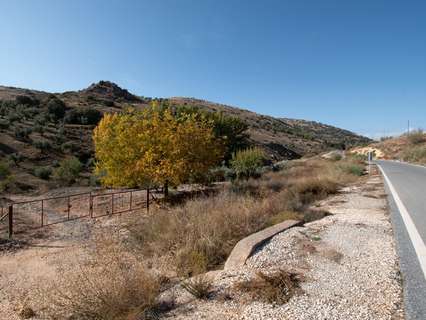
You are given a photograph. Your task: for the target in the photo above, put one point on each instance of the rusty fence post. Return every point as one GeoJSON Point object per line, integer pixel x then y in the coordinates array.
{"type": "Point", "coordinates": [112, 203]}
{"type": "Point", "coordinates": [42, 212]}
{"type": "Point", "coordinates": [10, 214]}
{"type": "Point", "coordinates": [147, 200]}
{"type": "Point", "coordinates": [90, 205]}
{"type": "Point", "coordinates": [68, 207]}
{"type": "Point", "coordinates": [131, 199]}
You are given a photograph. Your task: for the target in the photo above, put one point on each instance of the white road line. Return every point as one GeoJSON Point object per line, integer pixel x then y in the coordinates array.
{"type": "Point", "coordinates": [416, 239]}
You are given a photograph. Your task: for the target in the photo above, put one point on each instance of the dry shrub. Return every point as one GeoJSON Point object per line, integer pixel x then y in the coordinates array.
{"type": "Point", "coordinates": [312, 189]}
{"type": "Point", "coordinates": [200, 286]}
{"type": "Point", "coordinates": [111, 284]}
{"type": "Point", "coordinates": [199, 235]}
{"type": "Point", "coordinates": [416, 137]}
{"type": "Point", "coordinates": [277, 287]}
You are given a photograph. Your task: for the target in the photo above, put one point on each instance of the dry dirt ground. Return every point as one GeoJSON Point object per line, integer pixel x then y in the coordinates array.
{"type": "Point", "coordinates": [348, 262]}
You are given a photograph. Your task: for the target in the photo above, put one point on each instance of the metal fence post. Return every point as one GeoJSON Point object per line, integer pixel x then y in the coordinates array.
{"type": "Point", "coordinates": [112, 203]}
{"type": "Point", "coordinates": [42, 212]}
{"type": "Point", "coordinates": [68, 207]}
{"type": "Point", "coordinates": [10, 221]}
{"type": "Point", "coordinates": [90, 205]}
{"type": "Point", "coordinates": [147, 200]}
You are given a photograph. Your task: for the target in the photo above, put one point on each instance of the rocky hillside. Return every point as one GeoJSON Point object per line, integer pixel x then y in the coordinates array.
{"type": "Point", "coordinates": [38, 129]}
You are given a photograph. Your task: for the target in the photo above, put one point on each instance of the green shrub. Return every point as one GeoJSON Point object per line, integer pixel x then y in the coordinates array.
{"type": "Point", "coordinates": [12, 116]}
{"type": "Point", "coordinates": [16, 158]}
{"type": "Point", "coordinates": [39, 129]}
{"type": "Point", "coordinates": [6, 177]}
{"type": "Point", "coordinates": [222, 173]}
{"type": "Point", "coordinates": [26, 100]}
{"type": "Point", "coordinates": [336, 157]}
{"type": "Point", "coordinates": [83, 116]}
{"type": "Point", "coordinates": [56, 108]}
{"type": "Point", "coordinates": [353, 169]}
{"type": "Point", "coordinates": [4, 170]}
{"type": "Point", "coordinates": [68, 170]}
{"type": "Point", "coordinates": [248, 163]}
{"type": "Point", "coordinates": [41, 119]}
{"type": "Point", "coordinates": [43, 145]}
{"type": "Point", "coordinates": [23, 134]}
{"type": "Point", "coordinates": [4, 124]}
{"type": "Point", "coordinates": [68, 147]}
{"type": "Point", "coordinates": [43, 172]}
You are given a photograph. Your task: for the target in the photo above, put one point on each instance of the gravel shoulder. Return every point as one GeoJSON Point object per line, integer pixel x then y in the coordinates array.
{"type": "Point", "coordinates": [348, 261]}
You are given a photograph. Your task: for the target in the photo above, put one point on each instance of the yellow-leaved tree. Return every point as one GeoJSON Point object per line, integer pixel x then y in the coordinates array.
{"type": "Point", "coordinates": [154, 147]}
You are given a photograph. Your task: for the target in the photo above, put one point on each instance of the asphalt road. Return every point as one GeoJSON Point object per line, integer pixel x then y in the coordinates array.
{"type": "Point", "coordinates": [406, 187]}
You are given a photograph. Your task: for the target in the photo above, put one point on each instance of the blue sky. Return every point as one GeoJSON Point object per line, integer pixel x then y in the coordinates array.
{"type": "Point", "coordinates": [360, 65]}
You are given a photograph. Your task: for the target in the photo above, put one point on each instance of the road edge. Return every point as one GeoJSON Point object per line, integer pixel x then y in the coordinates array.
{"type": "Point", "coordinates": [416, 240]}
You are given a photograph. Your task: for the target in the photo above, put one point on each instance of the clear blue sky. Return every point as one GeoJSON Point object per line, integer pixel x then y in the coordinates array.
{"type": "Point", "coordinates": [357, 64]}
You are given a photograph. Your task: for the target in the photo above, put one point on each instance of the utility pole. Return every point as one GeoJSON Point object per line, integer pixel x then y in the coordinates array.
{"type": "Point", "coordinates": [408, 131]}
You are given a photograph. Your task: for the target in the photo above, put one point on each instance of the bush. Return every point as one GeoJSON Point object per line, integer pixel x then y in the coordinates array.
{"type": "Point", "coordinates": [16, 158]}
{"type": "Point", "coordinates": [4, 170]}
{"type": "Point", "coordinates": [275, 288]}
{"type": "Point", "coordinates": [43, 172]}
{"type": "Point", "coordinates": [4, 124]}
{"type": "Point", "coordinates": [248, 163]}
{"type": "Point", "coordinates": [26, 100]}
{"type": "Point", "coordinates": [83, 116]}
{"type": "Point", "coordinates": [68, 147]}
{"type": "Point", "coordinates": [222, 173]}
{"type": "Point", "coordinates": [353, 169]}
{"type": "Point", "coordinates": [12, 116]}
{"type": "Point", "coordinates": [43, 145]}
{"type": "Point", "coordinates": [6, 177]}
{"type": "Point", "coordinates": [23, 134]}
{"type": "Point", "coordinates": [200, 286]}
{"type": "Point", "coordinates": [68, 170]}
{"type": "Point", "coordinates": [56, 108]}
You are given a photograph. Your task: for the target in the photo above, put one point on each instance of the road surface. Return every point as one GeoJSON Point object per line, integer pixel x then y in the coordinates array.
{"type": "Point", "coordinates": [406, 186]}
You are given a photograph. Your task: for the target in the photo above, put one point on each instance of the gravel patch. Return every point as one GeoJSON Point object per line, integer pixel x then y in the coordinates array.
{"type": "Point", "coordinates": [348, 261]}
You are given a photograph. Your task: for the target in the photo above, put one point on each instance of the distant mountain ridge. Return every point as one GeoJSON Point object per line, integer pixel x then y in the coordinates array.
{"type": "Point", "coordinates": [24, 129]}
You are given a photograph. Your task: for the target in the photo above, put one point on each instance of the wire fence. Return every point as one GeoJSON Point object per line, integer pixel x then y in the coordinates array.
{"type": "Point", "coordinates": [24, 215]}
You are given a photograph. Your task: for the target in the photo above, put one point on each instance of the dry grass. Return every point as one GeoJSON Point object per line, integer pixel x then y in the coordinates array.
{"type": "Point", "coordinates": [275, 288]}
{"type": "Point", "coordinates": [199, 235]}
{"type": "Point", "coordinates": [416, 137]}
{"type": "Point", "coordinates": [111, 284]}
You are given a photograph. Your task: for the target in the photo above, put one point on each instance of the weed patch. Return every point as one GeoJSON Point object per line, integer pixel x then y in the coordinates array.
{"type": "Point", "coordinates": [200, 287]}
{"type": "Point", "coordinates": [277, 287]}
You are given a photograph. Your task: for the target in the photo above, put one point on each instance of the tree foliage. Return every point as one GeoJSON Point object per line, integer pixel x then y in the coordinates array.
{"type": "Point", "coordinates": [154, 147]}
{"type": "Point", "coordinates": [232, 131]}
{"type": "Point", "coordinates": [247, 163]}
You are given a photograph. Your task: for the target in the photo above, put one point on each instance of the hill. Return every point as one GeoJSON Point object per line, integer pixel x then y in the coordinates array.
{"type": "Point", "coordinates": [407, 147]}
{"type": "Point", "coordinates": [38, 129]}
